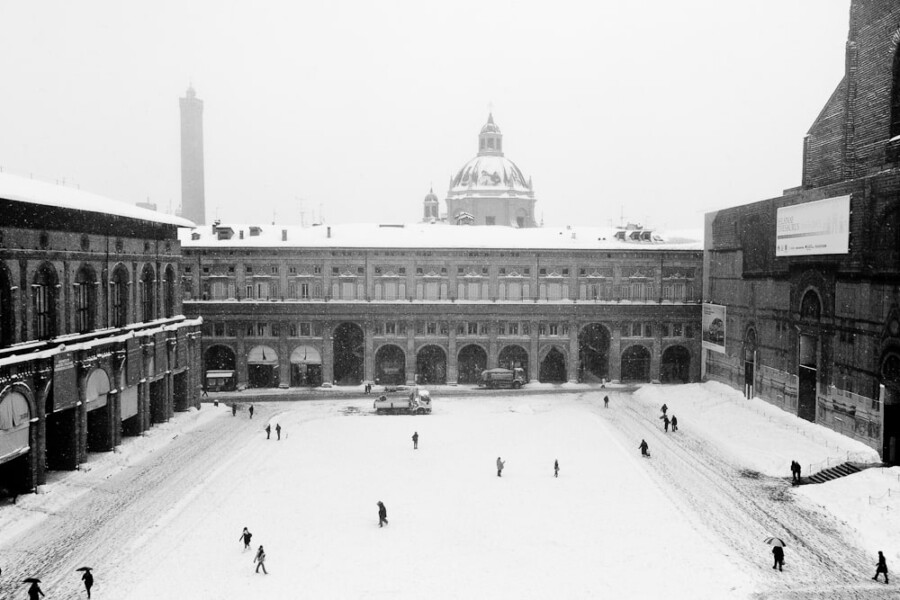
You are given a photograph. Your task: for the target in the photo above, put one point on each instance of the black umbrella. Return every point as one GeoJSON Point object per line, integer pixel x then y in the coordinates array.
{"type": "Point", "coordinates": [84, 569]}
{"type": "Point", "coordinates": [31, 580]}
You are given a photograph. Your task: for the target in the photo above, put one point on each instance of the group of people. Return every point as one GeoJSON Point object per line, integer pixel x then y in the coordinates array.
{"type": "Point", "coordinates": [35, 591]}
{"type": "Point", "coordinates": [260, 557]}
{"type": "Point", "coordinates": [673, 420]}
{"type": "Point", "coordinates": [234, 408]}
{"type": "Point", "coordinates": [269, 431]}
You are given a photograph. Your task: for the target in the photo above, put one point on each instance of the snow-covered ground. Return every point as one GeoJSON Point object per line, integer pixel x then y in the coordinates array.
{"type": "Point", "coordinates": [161, 517]}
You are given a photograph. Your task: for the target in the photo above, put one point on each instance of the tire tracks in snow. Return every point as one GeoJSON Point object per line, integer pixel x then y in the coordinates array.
{"type": "Point", "coordinates": [740, 508]}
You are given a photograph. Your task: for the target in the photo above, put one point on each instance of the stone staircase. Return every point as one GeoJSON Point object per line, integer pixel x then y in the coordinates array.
{"type": "Point", "coordinates": [830, 473]}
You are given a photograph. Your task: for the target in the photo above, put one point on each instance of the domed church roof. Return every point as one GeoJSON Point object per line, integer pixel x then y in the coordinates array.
{"type": "Point", "coordinates": [490, 171]}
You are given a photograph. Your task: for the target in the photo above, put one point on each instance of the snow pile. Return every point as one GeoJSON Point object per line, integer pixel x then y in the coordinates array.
{"type": "Point", "coordinates": [753, 432]}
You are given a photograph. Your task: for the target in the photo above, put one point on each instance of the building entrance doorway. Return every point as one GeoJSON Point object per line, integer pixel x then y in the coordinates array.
{"type": "Point", "coordinates": [471, 362]}
{"type": "Point", "coordinates": [807, 374]}
{"type": "Point", "coordinates": [553, 367]}
{"type": "Point", "coordinates": [431, 366]}
{"type": "Point", "coordinates": [593, 353]}
{"type": "Point", "coordinates": [348, 354]}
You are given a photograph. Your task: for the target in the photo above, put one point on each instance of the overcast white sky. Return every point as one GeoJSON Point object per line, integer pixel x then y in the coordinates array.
{"type": "Point", "coordinates": [657, 109]}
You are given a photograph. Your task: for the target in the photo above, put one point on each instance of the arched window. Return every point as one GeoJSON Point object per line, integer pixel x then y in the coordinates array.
{"type": "Point", "coordinates": [44, 295]}
{"type": "Point", "coordinates": [148, 287]}
{"type": "Point", "coordinates": [118, 296]}
{"type": "Point", "coordinates": [85, 299]}
{"type": "Point", "coordinates": [6, 309]}
{"type": "Point", "coordinates": [169, 292]}
{"type": "Point", "coordinates": [895, 95]}
{"type": "Point", "coordinates": [810, 307]}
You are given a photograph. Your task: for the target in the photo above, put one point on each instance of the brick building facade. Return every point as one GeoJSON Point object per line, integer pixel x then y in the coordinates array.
{"type": "Point", "coordinates": [93, 343]}
{"type": "Point", "coordinates": [815, 331]}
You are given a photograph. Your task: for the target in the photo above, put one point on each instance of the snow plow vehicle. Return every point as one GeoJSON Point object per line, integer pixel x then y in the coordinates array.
{"type": "Point", "coordinates": [418, 402]}
{"type": "Point", "coordinates": [503, 378]}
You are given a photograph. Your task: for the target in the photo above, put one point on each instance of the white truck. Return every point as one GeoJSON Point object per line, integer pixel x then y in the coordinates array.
{"type": "Point", "coordinates": [503, 378]}
{"type": "Point", "coordinates": [418, 402]}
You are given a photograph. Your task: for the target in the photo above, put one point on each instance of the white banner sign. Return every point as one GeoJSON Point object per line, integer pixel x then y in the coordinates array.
{"type": "Point", "coordinates": [714, 327]}
{"type": "Point", "coordinates": [821, 227]}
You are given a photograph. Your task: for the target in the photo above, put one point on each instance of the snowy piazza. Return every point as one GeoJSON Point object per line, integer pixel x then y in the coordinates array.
{"type": "Point", "coordinates": [469, 300]}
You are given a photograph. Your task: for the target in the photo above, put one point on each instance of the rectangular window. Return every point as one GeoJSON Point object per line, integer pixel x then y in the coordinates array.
{"type": "Point", "coordinates": [219, 329]}
{"type": "Point", "coordinates": [305, 329]}
{"type": "Point", "coordinates": [513, 329]}
{"type": "Point", "coordinates": [460, 329]}
{"type": "Point", "coordinates": [292, 330]}
{"type": "Point", "coordinates": [688, 331]}
{"type": "Point", "coordinates": [526, 329]}
{"type": "Point", "coordinates": [445, 328]}
{"type": "Point", "coordinates": [542, 329]}
{"type": "Point", "coordinates": [304, 291]}
{"type": "Point", "coordinates": [317, 329]}
{"type": "Point", "coordinates": [473, 328]}
{"type": "Point", "coordinates": [637, 329]}
{"type": "Point", "coordinates": [230, 329]}
{"type": "Point", "coordinates": [276, 329]}
{"type": "Point", "coordinates": [648, 330]}
{"type": "Point", "coordinates": [431, 328]}
{"type": "Point", "coordinates": [390, 328]}
{"type": "Point", "coordinates": [273, 270]}
{"type": "Point", "coordinates": [420, 328]}
{"type": "Point", "coordinates": [553, 329]}
{"type": "Point", "coordinates": [248, 291]}
{"type": "Point", "coordinates": [677, 330]}
{"type": "Point", "coordinates": [501, 328]}
{"type": "Point", "coordinates": [248, 269]}
{"type": "Point", "coordinates": [251, 330]}
{"type": "Point", "coordinates": [261, 330]}
{"type": "Point", "coordinates": [317, 270]}
{"type": "Point", "coordinates": [401, 328]}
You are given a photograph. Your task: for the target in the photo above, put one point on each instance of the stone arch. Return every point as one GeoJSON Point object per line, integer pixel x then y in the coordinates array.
{"type": "Point", "coordinates": [148, 293]}
{"type": "Point", "coordinates": [262, 367]}
{"type": "Point", "coordinates": [348, 345]}
{"type": "Point", "coordinates": [45, 301]}
{"type": "Point", "coordinates": [431, 365]}
{"type": "Point", "coordinates": [470, 362]}
{"type": "Point", "coordinates": [593, 353]}
{"type": "Point", "coordinates": [675, 365]}
{"type": "Point", "coordinates": [553, 365]}
{"type": "Point", "coordinates": [169, 292]}
{"type": "Point", "coordinates": [390, 365]}
{"type": "Point", "coordinates": [99, 434]}
{"type": "Point", "coordinates": [811, 305]}
{"type": "Point", "coordinates": [514, 356]}
{"type": "Point", "coordinates": [636, 363]}
{"type": "Point", "coordinates": [85, 304]}
{"type": "Point", "coordinates": [119, 300]}
{"type": "Point", "coordinates": [220, 363]}
{"type": "Point", "coordinates": [750, 343]}
{"type": "Point", "coordinates": [17, 437]}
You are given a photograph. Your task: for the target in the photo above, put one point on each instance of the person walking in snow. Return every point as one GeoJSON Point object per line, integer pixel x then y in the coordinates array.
{"type": "Point", "coordinates": [605, 401]}
{"type": "Point", "coordinates": [881, 567]}
{"type": "Point", "coordinates": [500, 465]}
{"type": "Point", "coordinates": [556, 468]}
{"type": "Point", "coordinates": [644, 448]}
{"type": "Point", "coordinates": [34, 590]}
{"type": "Point", "coordinates": [268, 431]}
{"type": "Point", "coordinates": [665, 419]}
{"type": "Point", "coordinates": [415, 439]}
{"type": "Point", "coordinates": [246, 535]}
{"type": "Point", "coordinates": [260, 559]}
{"type": "Point", "coordinates": [382, 514]}
{"type": "Point", "coordinates": [674, 423]}
{"type": "Point", "coordinates": [251, 411]}
{"type": "Point", "coordinates": [278, 431]}
{"type": "Point", "coordinates": [233, 408]}
{"type": "Point", "coordinates": [795, 472]}
{"type": "Point", "coordinates": [88, 580]}
{"type": "Point", "coordinates": [778, 553]}
{"type": "Point", "coordinates": [664, 408]}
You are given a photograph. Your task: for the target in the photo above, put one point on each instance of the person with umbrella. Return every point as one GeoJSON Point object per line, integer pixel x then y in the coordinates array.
{"type": "Point", "coordinates": [881, 567]}
{"type": "Point", "coordinates": [777, 552]}
{"type": "Point", "coordinates": [34, 592]}
{"type": "Point", "coordinates": [88, 580]}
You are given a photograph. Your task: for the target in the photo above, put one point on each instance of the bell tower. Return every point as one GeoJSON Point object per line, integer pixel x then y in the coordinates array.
{"type": "Point", "coordinates": [193, 196]}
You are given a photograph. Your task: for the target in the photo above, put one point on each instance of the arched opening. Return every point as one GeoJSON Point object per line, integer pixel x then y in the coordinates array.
{"type": "Point", "coordinates": [148, 293]}
{"type": "Point", "coordinates": [636, 364]}
{"type": "Point", "coordinates": [118, 296]}
{"type": "Point", "coordinates": [96, 404]}
{"type": "Point", "coordinates": [676, 365]}
{"type": "Point", "coordinates": [6, 309]}
{"type": "Point", "coordinates": [15, 464]}
{"type": "Point", "coordinates": [262, 367]}
{"type": "Point", "coordinates": [85, 299]}
{"type": "Point", "coordinates": [431, 366]}
{"type": "Point", "coordinates": [306, 367]}
{"type": "Point", "coordinates": [169, 295]}
{"type": "Point", "coordinates": [61, 439]}
{"type": "Point", "coordinates": [749, 352]}
{"type": "Point", "coordinates": [553, 367]}
{"type": "Point", "coordinates": [512, 357]}
{"type": "Point", "coordinates": [593, 353]}
{"type": "Point", "coordinates": [811, 306]}
{"type": "Point", "coordinates": [348, 354]}
{"type": "Point", "coordinates": [390, 365]}
{"type": "Point", "coordinates": [219, 362]}
{"type": "Point", "coordinates": [890, 379]}
{"type": "Point", "coordinates": [471, 360]}
{"type": "Point", "coordinates": [44, 298]}
{"type": "Point", "coordinates": [895, 96]}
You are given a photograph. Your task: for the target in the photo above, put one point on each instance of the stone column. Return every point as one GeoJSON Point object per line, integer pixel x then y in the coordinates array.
{"type": "Point", "coordinates": [492, 357]}
{"type": "Point", "coordinates": [327, 352]}
{"type": "Point", "coordinates": [369, 349]}
{"type": "Point", "coordinates": [615, 352]}
{"type": "Point", "coordinates": [410, 352]}
{"type": "Point", "coordinates": [534, 365]}
{"type": "Point", "coordinates": [656, 353]}
{"type": "Point", "coordinates": [573, 362]}
{"type": "Point", "coordinates": [452, 366]}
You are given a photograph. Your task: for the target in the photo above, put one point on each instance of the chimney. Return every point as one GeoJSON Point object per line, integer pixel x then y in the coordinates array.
{"type": "Point", "coordinates": [241, 234]}
{"type": "Point", "coordinates": [284, 235]}
{"type": "Point", "coordinates": [328, 232]}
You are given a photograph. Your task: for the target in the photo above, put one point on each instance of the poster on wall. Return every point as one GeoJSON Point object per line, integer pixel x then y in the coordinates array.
{"type": "Point", "coordinates": [714, 327]}
{"type": "Point", "coordinates": [821, 227]}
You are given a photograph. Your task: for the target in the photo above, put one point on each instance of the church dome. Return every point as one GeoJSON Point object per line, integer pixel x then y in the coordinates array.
{"type": "Point", "coordinates": [490, 173]}
{"type": "Point", "coordinates": [431, 196]}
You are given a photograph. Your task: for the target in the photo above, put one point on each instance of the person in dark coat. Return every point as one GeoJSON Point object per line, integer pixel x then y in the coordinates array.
{"type": "Point", "coordinates": [260, 559]}
{"type": "Point", "coordinates": [251, 411]}
{"type": "Point", "coordinates": [88, 580]}
{"type": "Point", "coordinates": [415, 439]}
{"type": "Point", "coordinates": [664, 408]}
{"type": "Point", "coordinates": [778, 553]}
{"type": "Point", "coordinates": [881, 567]}
{"type": "Point", "coordinates": [644, 448]}
{"type": "Point", "coordinates": [556, 468]}
{"type": "Point", "coordinates": [278, 430]}
{"type": "Point", "coordinates": [34, 591]}
{"type": "Point", "coordinates": [382, 514]}
{"type": "Point", "coordinates": [674, 423]}
{"type": "Point", "coordinates": [665, 422]}
{"type": "Point", "coordinates": [605, 401]}
{"type": "Point", "coordinates": [233, 409]}
{"type": "Point", "coordinates": [268, 432]}
{"type": "Point", "coordinates": [246, 535]}
{"type": "Point", "coordinates": [500, 465]}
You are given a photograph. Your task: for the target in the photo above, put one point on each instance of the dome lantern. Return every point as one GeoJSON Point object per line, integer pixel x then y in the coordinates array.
{"type": "Point", "coordinates": [490, 140]}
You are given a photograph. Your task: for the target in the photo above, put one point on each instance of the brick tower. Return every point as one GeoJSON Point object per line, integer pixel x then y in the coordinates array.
{"type": "Point", "coordinates": [193, 199]}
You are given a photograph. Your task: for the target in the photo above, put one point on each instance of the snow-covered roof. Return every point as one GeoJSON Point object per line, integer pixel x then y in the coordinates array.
{"type": "Point", "coordinates": [32, 191]}
{"type": "Point", "coordinates": [432, 235]}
